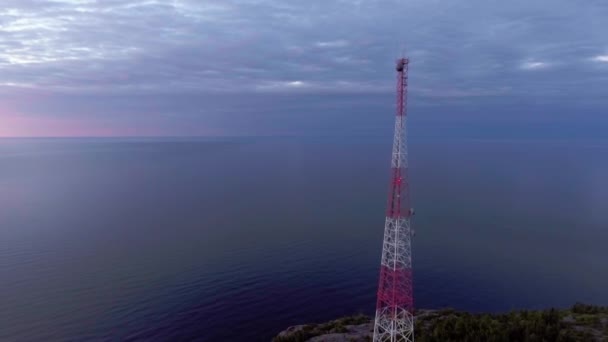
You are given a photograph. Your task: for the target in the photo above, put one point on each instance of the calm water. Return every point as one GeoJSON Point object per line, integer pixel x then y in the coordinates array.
{"type": "Point", "coordinates": [234, 240]}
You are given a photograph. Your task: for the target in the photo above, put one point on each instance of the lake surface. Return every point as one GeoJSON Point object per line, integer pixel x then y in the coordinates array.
{"type": "Point", "coordinates": [236, 239]}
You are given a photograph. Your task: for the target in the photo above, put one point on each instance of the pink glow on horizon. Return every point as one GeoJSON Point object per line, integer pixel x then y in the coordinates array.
{"type": "Point", "coordinates": [18, 125]}
{"type": "Point", "coordinates": [15, 124]}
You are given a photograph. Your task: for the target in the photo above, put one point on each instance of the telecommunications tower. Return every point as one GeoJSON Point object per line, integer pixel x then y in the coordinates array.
{"type": "Point", "coordinates": [395, 307]}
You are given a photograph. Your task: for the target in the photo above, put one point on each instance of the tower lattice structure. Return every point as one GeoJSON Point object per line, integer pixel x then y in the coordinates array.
{"type": "Point", "coordinates": [395, 306]}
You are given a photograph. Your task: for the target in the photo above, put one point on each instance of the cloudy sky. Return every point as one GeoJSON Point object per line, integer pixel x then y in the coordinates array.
{"type": "Point", "coordinates": [280, 67]}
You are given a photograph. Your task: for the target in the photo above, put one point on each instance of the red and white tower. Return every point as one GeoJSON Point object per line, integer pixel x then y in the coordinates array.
{"type": "Point", "coordinates": [395, 307]}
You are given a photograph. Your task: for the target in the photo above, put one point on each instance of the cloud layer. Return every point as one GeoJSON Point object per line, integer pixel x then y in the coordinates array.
{"type": "Point", "coordinates": [271, 45]}
{"type": "Point", "coordinates": [471, 49]}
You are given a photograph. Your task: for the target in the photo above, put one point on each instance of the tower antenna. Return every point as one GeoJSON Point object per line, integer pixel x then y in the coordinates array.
{"type": "Point", "coordinates": [394, 320]}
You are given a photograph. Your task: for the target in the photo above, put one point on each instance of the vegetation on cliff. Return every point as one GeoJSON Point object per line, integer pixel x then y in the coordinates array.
{"type": "Point", "coordinates": [578, 323]}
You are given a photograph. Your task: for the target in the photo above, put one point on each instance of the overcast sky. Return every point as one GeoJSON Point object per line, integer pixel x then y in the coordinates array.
{"type": "Point", "coordinates": [264, 67]}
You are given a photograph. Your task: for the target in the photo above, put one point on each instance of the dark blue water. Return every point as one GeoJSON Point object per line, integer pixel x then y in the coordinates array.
{"type": "Point", "coordinates": [236, 239]}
